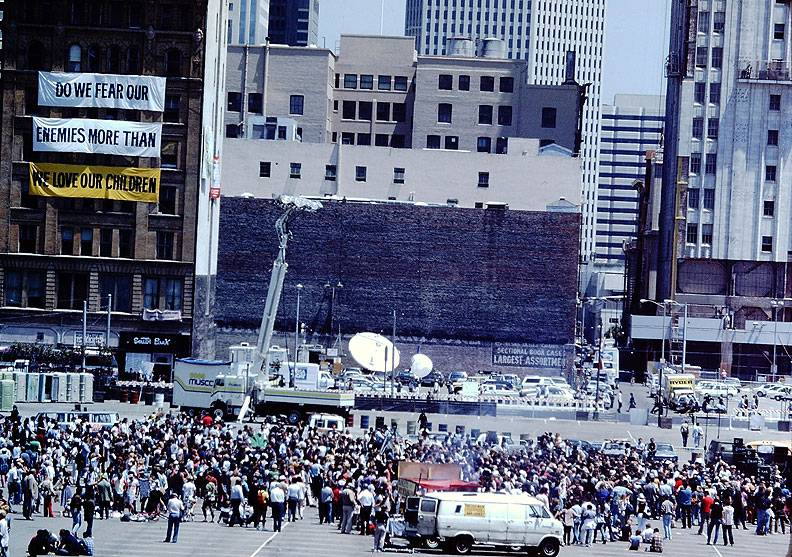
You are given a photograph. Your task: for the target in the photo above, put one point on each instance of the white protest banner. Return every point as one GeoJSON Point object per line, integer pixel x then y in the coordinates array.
{"type": "Point", "coordinates": [109, 137]}
{"type": "Point", "coordinates": [95, 90]}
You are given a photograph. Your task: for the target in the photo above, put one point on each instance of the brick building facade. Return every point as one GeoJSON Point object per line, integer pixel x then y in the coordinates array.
{"type": "Point", "coordinates": [453, 297]}
{"type": "Point", "coordinates": [57, 252]}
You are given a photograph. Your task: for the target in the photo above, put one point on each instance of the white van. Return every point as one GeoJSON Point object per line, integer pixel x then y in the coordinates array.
{"type": "Point", "coordinates": [97, 420]}
{"type": "Point", "coordinates": [459, 521]}
{"type": "Point", "coordinates": [326, 422]}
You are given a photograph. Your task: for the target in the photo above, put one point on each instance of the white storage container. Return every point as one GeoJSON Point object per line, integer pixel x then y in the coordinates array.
{"type": "Point", "coordinates": [32, 387]}
{"type": "Point", "coordinates": [86, 387]}
{"type": "Point", "coordinates": [20, 378]}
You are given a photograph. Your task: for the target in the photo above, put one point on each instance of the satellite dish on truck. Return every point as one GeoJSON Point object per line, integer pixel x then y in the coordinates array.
{"type": "Point", "coordinates": [374, 352]}
{"type": "Point", "coordinates": [421, 365]}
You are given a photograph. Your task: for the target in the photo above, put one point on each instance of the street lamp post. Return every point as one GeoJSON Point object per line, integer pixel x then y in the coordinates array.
{"type": "Point", "coordinates": [775, 304]}
{"type": "Point", "coordinates": [659, 397]}
{"type": "Point", "coordinates": [332, 288]}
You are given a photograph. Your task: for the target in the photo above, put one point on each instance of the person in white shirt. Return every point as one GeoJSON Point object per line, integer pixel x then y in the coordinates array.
{"type": "Point", "coordinates": [728, 522]}
{"type": "Point", "coordinates": [277, 499]}
{"type": "Point", "coordinates": [366, 501]}
{"type": "Point", "coordinates": [175, 509]}
{"type": "Point", "coordinates": [4, 534]}
{"type": "Point", "coordinates": [236, 499]}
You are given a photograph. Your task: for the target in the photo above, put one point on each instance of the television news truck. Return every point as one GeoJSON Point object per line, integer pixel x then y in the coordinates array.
{"type": "Point", "coordinates": [222, 387]}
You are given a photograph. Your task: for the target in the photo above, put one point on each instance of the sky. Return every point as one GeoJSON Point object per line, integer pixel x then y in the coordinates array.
{"type": "Point", "coordinates": [636, 37]}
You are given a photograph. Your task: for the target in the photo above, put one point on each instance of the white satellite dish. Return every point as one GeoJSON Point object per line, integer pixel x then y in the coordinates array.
{"type": "Point", "coordinates": [421, 365]}
{"type": "Point", "coordinates": [374, 352]}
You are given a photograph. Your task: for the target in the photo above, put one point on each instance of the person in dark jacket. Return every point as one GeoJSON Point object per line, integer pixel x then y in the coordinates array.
{"type": "Point", "coordinates": [715, 520]}
{"type": "Point", "coordinates": [69, 544]}
{"type": "Point", "coordinates": [89, 508]}
{"type": "Point", "coordinates": [42, 543]}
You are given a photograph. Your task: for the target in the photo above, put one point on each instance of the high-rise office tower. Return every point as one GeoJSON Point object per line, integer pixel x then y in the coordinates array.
{"type": "Point", "coordinates": [294, 22]}
{"type": "Point", "coordinates": [542, 32]}
{"type": "Point", "coordinates": [248, 21]}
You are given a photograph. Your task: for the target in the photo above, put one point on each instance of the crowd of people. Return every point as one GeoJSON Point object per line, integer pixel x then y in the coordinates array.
{"type": "Point", "coordinates": [177, 467]}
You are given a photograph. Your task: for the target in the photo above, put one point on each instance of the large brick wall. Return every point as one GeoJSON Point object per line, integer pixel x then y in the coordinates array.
{"type": "Point", "coordinates": [465, 274]}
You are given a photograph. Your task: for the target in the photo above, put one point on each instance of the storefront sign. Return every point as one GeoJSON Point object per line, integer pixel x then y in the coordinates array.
{"type": "Point", "coordinates": [109, 137]}
{"type": "Point", "coordinates": [150, 343]}
{"type": "Point", "coordinates": [538, 357]}
{"type": "Point", "coordinates": [91, 339]}
{"type": "Point", "coordinates": [99, 182]}
{"type": "Point", "coordinates": [91, 90]}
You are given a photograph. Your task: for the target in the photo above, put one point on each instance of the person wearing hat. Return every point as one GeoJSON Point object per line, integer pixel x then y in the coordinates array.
{"type": "Point", "coordinates": [175, 509]}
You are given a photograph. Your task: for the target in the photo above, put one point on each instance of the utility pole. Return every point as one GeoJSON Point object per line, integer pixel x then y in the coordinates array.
{"type": "Point", "coordinates": [84, 331]}
{"type": "Point", "coordinates": [600, 367]}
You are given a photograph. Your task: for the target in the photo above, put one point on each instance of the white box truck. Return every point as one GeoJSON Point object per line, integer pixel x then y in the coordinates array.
{"type": "Point", "coordinates": [460, 521]}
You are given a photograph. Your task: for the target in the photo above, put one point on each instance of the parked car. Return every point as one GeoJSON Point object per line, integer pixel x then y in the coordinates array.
{"type": "Point", "coordinates": [614, 448]}
{"type": "Point", "coordinates": [497, 390]}
{"type": "Point", "coordinates": [584, 445]}
{"type": "Point", "coordinates": [457, 378]}
{"type": "Point", "coordinates": [767, 389]}
{"type": "Point", "coordinates": [781, 393]}
{"type": "Point", "coordinates": [715, 390]}
{"type": "Point", "coordinates": [433, 378]}
{"type": "Point", "coordinates": [406, 378]}
{"type": "Point", "coordinates": [720, 449]}
{"type": "Point", "coordinates": [665, 451]}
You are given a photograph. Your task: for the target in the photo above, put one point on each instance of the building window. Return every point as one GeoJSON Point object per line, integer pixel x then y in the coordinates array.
{"type": "Point", "coordinates": [464, 83]}
{"type": "Point", "coordinates": [94, 58]}
{"type": "Point", "coordinates": [360, 174]}
{"type": "Point", "coordinates": [772, 137]}
{"type": "Point", "coordinates": [698, 128]}
{"type": "Point", "coordinates": [381, 140]}
{"type": "Point", "coordinates": [507, 85]}
{"type": "Point", "coordinates": [451, 142]}
{"type": "Point", "coordinates": [256, 103]}
{"type": "Point", "coordinates": [133, 60]}
{"type": "Point", "coordinates": [693, 199]}
{"type": "Point", "coordinates": [72, 290]}
{"type": "Point", "coordinates": [367, 81]}
{"type": "Point", "coordinates": [173, 294]}
{"type": "Point", "coordinates": [706, 234]}
{"type": "Point", "coordinates": [265, 169]}
{"type": "Point", "coordinates": [691, 236]}
{"type": "Point", "coordinates": [234, 102]}
{"type": "Point", "coordinates": [717, 57]}
{"type": "Point", "coordinates": [483, 179]}
{"type": "Point", "coordinates": [445, 82]}
{"type": "Point", "coordinates": [505, 115]}
{"type": "Point", "coordinates": [770, 173]}
{"type": "Point", "coordinates": [549, 117]}
{"type": "Point", "coordinates": [399, 112]}
{"type": "Point", "coordinates": [695, 163]}
{"type": "Point", "coordinates": [719, 22]}
{"type": "Point", "coordinates": [75, 58]}
{"type": "Point", "coordinates": [119, 287]}
{"type": "Point", "coordinates": [400, 83]}
{"type": "Point", "coordinates": [398, 175]}
{"type": "Point", "coordinates": [165, 244]}
{"type": "Point", "coordinates": [296, 104]}
{"type": "Point", "coordinates": [502, 146]}
{"type": "Point", "coordinates": [487, 83]}
{"type": "Point", "coordinates": [331, 172]}
{"type": "Point", "coordinates": [432, 141]}
{"type": "Point", "coordinates": [365, 110]}
{"type": "Point", "coordinates": [700, 92]}
{"type": "Point", "coordinates": [126, 243]}
{"type": "Point", "coordinates": [701, 57]}
{"type": "Point", "coordinates": [444, 113]}
{"type": "Point", "coordinates": [151, 293]}
{"type": "Point", "coordinates": [383, 112]}
{"type": "Point", "coordinates": [715, 93]}
{"type": "Point", "coordinates": [485, 114]}
{"type": "Point", "coordinates": [779, 30]}
{"type": "Point", "coordinates": [364, 139]}
{"type": "Point", "coordinates": [384, 82]}
{"type": "Point", "coordinates": [775, 102]}
{"type": "Point", "coordinates": [769, 208]}
{"type": "Point", "coordinates": [173, 62]}
{"type": "Point", "coordinates": [709, 199]}
{"type": "Point", "coordinates": [711, 164]}
{"type": "Point", "coordinates": [25, 289]}
{"type": "Point", "coordinates": [478, 205]}
{"type": "Point", "coordinates": [767, 243]}
{"type": "Point", "coordinates": [348, 109]}
{"type": "Point", "coordinates": [28, 238]}
{"type": "Point", "coordinates": [232, 131]}
{"type": "Point", "coordinates": [172, 109]}
{"type": "Point", "coordinates": [397, 141]}
{"type": "Point", "coordinates": [86, 241]}
{"type": "Point", "coordinates": [350, 81]}
{"type": "Point", "coordinates": [484, 145]}
{"type": "Point", "coordinates": [106, 242]}
{"type": "Point", "coordinates": [712, 128]}
{"type": "Point", "coordinates": [295, 170]}
{"type": "Point", "coordinates": [347, 138]}
{"type": "Point", "coordinates": [703, 22]}
{"type": "Point", "coordinates": [169, 156]}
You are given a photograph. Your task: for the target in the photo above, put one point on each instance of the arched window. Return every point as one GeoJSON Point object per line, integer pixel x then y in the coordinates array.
{"type": "Point", "coordinates": [36, 56]}
{"type": "Point", "coordinates": [94, 58]}
{"type": "Point", "coordinates": [133, 60]}
{"type": "Point", "coordinates": [75, 59]}
{"type": "Point", "coordinates": [173, 62]}
{"type": "Point", "coordinates": [114, 59]}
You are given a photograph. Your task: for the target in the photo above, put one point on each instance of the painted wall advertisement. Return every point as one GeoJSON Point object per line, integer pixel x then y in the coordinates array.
{"type": "Point", "coordinates": [537, 357]}
{"type": "Point", "coordinates": [98, 182]}
{"type": "Point", "coordinates": [109, 137]}
{"type": "Point", "coordinates": [91, 90]}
